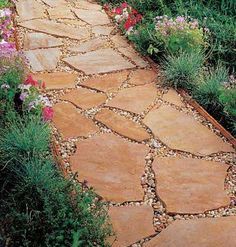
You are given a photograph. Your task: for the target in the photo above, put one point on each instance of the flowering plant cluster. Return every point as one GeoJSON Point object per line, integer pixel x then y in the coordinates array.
{"type": "Point", "coordinates": [6, 32]}
{"type": "Point", "coordinates": [180, 33]}
{"type": "Point", "coordinates": [127, 17]}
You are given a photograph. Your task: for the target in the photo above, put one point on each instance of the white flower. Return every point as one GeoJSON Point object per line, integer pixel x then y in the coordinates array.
{"type": "Point", "coordinates": [118, 18]}
{"type": "Point", "coordinates": [5, 86]}
{"type": "Point", "coordinates": [24, 87]}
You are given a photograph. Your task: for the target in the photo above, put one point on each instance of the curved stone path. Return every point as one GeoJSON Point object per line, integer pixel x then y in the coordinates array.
{"type": "Point", "coordinates": [167, 175]}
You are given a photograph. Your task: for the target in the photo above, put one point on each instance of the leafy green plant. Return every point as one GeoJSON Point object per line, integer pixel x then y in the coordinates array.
{"type": "Point", "coordinates": [228, 100]}
{"type": "Point", "coordinates": [183, 71]}
{"type": "Point", "coordinates": [5, 3]}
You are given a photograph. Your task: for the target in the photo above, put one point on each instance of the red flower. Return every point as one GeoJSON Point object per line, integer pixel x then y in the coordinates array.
{"type": "Point", "coordinates": [47, 113]}
{"type": "Point", "coordinates": [43, 85]}
{"type": "Point", "coordinates": [128, 24]}
{"type": "Point", "coordinates": [31, 81]}
{"type": "Point", "coordinates": [118, 11]}
{"type": "Point", "coordinates": [124, 5]}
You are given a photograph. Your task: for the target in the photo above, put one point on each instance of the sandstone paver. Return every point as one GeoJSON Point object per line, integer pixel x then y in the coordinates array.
{"type": "Point", "coordinates": [101, 30]}
{"type": "Point", "coordinates": [112, 165]}
{"type": "Point", "coordinates": [190, 186]}
{"type": "Point", "coordinates": [56, 29]}
{"type": "Point", "coordinates": [55, 3]}
{"type": "Point", "coordinates": [57, 80]}
{"type": "Point", "coordinates": [85, 98]}
{"type": "Point", "coordinates": [107, 83]}
{"type": "Point", "coordinates": [172, 97]}
{"type": "Point", "coordinates": [100, 61]}
{"type": "Point", "coordinates": [209, 232]}
{"type": "Point", "coordinates": [119, 41]}
{"type": "Point", "coordinates": [61, 12]}
{"type": "Point", "coordinates": [40, 40]}
{"type": "Point", "coordinates": [136, 99]}
{"type": "Point", "coordinates": [70, 123]}
{"type": "Point", "coordinates": [122, 125]}
{"type": "Point", "coordinates": [182, 132]}
{"type": "Point", "coordinates": [74, 22]}
{"type": "Point", "coordinates": [142, 76]}
{"type": "Point", "coordinates": [39, 59]}
{"type": "Point", "coordinates": [81, 4]}
{"type": "Point", "coordinates": [131, 224]}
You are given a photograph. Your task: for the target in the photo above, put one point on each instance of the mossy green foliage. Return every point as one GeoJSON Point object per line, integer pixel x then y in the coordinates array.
{"type": "Point", "coordinates": [5, 3]}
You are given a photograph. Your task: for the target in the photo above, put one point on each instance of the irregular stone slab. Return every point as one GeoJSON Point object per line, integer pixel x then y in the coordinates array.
{"type": "Point", "coordinates": [75, 22]}
{"type": "Point", "coordinates": [87, 46]}
{"type": "Point", "coordinates": [100, 61]}
{"type": "Point", "coordinates": [84, 98]}
{"type": "Point", "coordinates": [56, 29]}
{"type": "Point", "coordinates": [136, 99]}
{"type": "Point", "coordinates": [70, 123]}
{"type": "Point", "coordinates": [55, 3]}
{"type": "Point", "coordinates": [81, 4]}
{"type": "Point", "coordinates": [133, 56]}
{"type": "Point", "coordinates": [182, 132]}
{"type": "Point", "coordinates": [29, 9]}
{"type": "Point", "coordinates": [101, 30]}
{"type": "Point", "coordinates": [57, 80]}
{"type": "Point", "coordinates": [92, 17]}
{"type": "Point", "coordinates": [122, 125]}
{"type": "Point", "coordinates": [112, 166]}
{"type": "Point", "coordinates": [190, 186]}
{"type": "Point", "coordinates": [119, 41]}
{"type": "Point", "coordinates": [40, 40]}
{"type": "Point", "coordinates": [172, 97]}
{"type": "Point", "coordinates": [107, 83]}
{"type": "Point", "coordinates": [208, 232]}
{"type": "Point", "coordinates": [61, 12]}
{"type": "Point", "coordinates": [131, 224]}
{"type": "Point", "coordinates": [40, 60]}
{"type": "Point", "coordinates": [142, 76]}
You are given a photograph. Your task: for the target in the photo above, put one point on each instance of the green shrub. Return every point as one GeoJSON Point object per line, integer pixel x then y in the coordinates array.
{"type": "Point", "coordinates": [228, 100]}
{"type": "Point", "coordinates": [208, 92]}
{"type": "Point", "coordinates": [5, 3]}
{"type": "Point", "coordinates": [183, 71]}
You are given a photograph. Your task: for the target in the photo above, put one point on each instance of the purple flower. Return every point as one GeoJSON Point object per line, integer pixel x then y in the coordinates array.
{"type": "Point", "coordinates": [23, 96]}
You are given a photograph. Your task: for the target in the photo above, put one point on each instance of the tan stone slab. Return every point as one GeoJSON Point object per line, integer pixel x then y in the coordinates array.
{"type": "Point", "coordinates": [112, 165]}
{"type": "Point", "coordinates": [100, 61]}
{"type": "Point", "coordinates": [107, 83]}
{"type": "Point", "coordinates": [57, 80]}
{"type": "Point", "coordinates": [29, 9]}
{"type": "Point", "coordinates": [208, 232]}
{"type": "Point", "coordinates": [122, 125]}
{"type": "Point", "coordinates": [81, 4]}
{"type": "Point", "coordinates": [131, 224]}
{"type": "Point", "coordinates": [61, 12]}
{"type": "Point", "coordinates": [56, 29]}
{"type": "Point", "coordinates": [190, 186]}
{"type": "Point", "coordinates": [70, 123]}
{"type": "Point", "coordinates": [173, 97]}
{"type": "Point", "coordinates": [119, 41]}
{"type": "Point", "coordinates": [101, 30]}
{"type": "Point", "coordinates": [55, 3]}
{"type": "Point", "coordinates": [182, 132]}
{"type": "Point", "coordinates": [92, 17]}
{"type": "Point", "coordinates": [133, 56]}
{"type": "Point", "coordinates": [40, 40]}
{"type": "Point", "coordinates": [84, 98]}
{"type": "Point", "coordinates": [136, 99]}
{"type": "Point", "coordinates": [87, 46]}
{"type": "Point", "coordinates": [43, 59]}
{"type": "Point", "coordinates": [142, 76]}
{"type": "Point", "coordinates": [75, 22]}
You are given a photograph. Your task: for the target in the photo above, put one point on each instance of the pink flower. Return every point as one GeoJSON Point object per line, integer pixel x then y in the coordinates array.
{"type": "Point", "coordinates": [47, 113]}
{"type": "Point", "coordinates": [31, 81]}
{"type": "Point", "coordinates": [124, 5]}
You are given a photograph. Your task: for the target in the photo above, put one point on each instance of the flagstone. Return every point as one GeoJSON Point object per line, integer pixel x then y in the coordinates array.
{"type": "Point", "coordinates": [56, 29]}
{"type": "Point", "coordinates": [29, 9]}
{"type": "Point", "coordinates": [133, 56]}
{"type": "Point", "coordinates": [87, 46]}
{"type": "Point", "coordinates": [75, 22]}
{"type": "Point", "coordinates": [40, 40]}
{"type": "Point", "coordinates": [207, 232]}
{"type": "Point", "coordinates": [55, 3]}
{"type": "Point", "coordinates": [101, 30]}
{"type": "Point", "coordinates": [107, 83]}
{"type": "Point", "coordinates": [70, 123]}
{"type": "Point", "coordinates": [61, 12]}
{"type": "Point", "coordinates": [182, 132]}
{"type": "Point", "coordinates": [119, 41]}
{"type": "Point", "coordinates": [136, 99]}
{"type": "Point", "coordinates": [185, 185]}
{"type": "Point", "coordinates": [142, 76]}
{"type": "Point", "coordinates": [92, 17]}
{"type": "Point", "coordinates": [122, 125]}
{"type": "Point", "coordinates": [111, 165]}
{"type": "Point", "coordinates": [173, 97]}
{"type": "Point", "coordinates": [100, 61]}
{"type": "Point", "coordinates": [57, 80]}
{"type": "Point", "coordinates": [85, 98]}
{"type": "Point", "coordinates": [131, 224]}
{"type": "Point", "coordinates": [87, 5]}
{"type": "Point", "coordinates": [39, 59]}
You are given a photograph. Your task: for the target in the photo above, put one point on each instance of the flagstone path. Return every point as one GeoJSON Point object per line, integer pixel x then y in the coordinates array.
{"type": "Point", "coordinates": [167, 175]}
